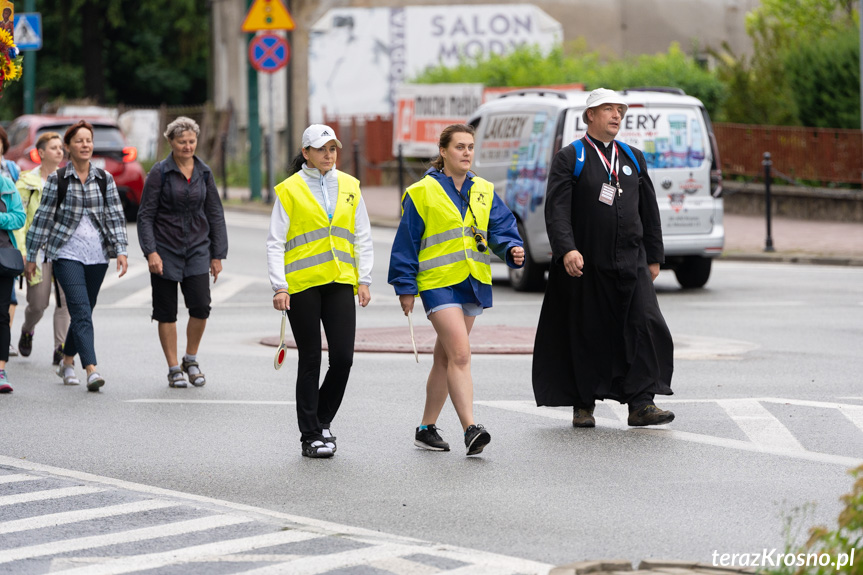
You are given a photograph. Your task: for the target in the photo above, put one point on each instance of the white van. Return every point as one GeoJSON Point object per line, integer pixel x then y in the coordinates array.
{"type": "Point", "coordinates": [518, 133]}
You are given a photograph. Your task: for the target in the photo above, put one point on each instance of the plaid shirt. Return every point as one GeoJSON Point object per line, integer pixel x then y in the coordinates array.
{"type": "Point", "coordinates": [108, 220]}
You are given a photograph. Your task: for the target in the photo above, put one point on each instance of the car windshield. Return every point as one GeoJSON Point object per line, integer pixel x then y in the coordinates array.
{"type": "Point", "coordinates": [104, 138]}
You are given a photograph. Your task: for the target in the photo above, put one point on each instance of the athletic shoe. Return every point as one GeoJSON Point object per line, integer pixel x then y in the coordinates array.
{"type": "Point", "coordinates": [12, 351]}
{"type": "Point", "coordinates": [475, 439]}
{"type": "Point", "coordinates": [329, 438]}
{"type": "Point", "coordinates": [58, 355]}
{"type": "Point", "coordinates": [582, 417]}
{"type": "Point", "coordinates": [25, 343]}
{"type": "Point", "coordinates": [316, 449]}
{"type": "Point", "coordinates": [650, 415]}
{"type": "Point", "coordinates": [430, 439]}
{"type": "Point", "coordinates": [4, 383]}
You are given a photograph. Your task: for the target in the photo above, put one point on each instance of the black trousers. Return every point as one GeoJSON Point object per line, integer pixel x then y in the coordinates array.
{"type": "Point", "coordinates": [7, 285]}
{"type": "Point", "coordinates": [333, 306]}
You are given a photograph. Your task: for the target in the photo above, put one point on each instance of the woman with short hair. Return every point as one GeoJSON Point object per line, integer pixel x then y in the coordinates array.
{"type": "Point", "coordinates": [182, 232]}
{"type": "Point", "coordinates": [80, 221]}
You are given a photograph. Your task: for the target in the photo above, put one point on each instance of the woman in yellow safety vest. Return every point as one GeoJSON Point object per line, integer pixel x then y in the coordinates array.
{"type": "Point", "coordinates": [451, 221]}
{"type": "Point", "coordinates": [319, 255]}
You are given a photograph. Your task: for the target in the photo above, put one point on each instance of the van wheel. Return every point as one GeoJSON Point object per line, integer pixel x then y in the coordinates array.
{"type": "Point", "coordinates": [531, 277]}
{"type": "Point", "coordinates": [693, 272]}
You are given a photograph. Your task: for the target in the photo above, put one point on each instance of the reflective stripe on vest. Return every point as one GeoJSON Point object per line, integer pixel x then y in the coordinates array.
{"type": "Point", "coordinates": [319, 251]}
{"type": "Point", "coordinates": [448, 252]}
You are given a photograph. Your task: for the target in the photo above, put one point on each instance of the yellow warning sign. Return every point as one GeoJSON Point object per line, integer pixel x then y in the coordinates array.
{"type": "Point", "coordinates": [267, 15]}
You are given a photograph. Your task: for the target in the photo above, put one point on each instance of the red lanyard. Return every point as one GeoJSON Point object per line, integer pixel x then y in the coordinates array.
{"type": "Point", "coordinates": [610, 167]}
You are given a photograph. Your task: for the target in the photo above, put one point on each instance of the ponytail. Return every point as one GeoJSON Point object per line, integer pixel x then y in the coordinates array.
{"type": "Point", "coordinates": [296, 164]}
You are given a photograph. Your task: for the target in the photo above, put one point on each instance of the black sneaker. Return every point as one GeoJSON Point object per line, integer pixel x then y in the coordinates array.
{"type": "Point", "coordinates": [58, 355]}
{"type": "Point", "coordinates": [25, 343]}
{"type": "Point", "coordinates": [430, 439]}
{"type": "Point", "coordinates": [475, 439]}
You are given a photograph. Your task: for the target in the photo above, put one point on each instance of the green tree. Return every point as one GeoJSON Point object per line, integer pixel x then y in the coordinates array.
{"type": "Point", "coordinates": [788, 36]}
{"type": "Point", "coordinates": [120, 51]}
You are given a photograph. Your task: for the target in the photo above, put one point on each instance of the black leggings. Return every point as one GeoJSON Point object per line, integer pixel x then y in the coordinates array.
{"type": "Point", "coordinates": [333, 305]}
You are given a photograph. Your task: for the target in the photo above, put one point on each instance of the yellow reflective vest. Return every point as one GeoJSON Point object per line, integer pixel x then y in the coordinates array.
{"type": "Point", "coordinates": [319, 251]}
{"type": "Point", "coordinates": [448, 253]}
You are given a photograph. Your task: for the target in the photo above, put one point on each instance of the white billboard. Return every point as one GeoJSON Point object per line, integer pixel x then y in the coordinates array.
{"type": "Point", "coordinates": [358, 56]}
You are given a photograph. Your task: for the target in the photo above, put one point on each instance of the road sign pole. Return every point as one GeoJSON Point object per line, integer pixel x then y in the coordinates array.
{"type": "Point", "coordinates": [254, 132]}
{"type": "Point", "coordinates": [271, 174]}
{"type": "Point", "coordinates": [29, 68]}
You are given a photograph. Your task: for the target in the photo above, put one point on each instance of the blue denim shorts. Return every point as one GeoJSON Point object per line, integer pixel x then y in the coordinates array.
{"type": "Point", "coordinates": [469, 309]}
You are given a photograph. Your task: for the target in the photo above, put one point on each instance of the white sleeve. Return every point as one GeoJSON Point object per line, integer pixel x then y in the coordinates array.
{"type": "Point", "coordinates": [276, 240]}
{"type": "Point", "coordinates": [365, 246]}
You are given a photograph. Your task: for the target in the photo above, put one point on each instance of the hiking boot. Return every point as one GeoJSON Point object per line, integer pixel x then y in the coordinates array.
{"type": "Point", "coordinates": [650, 415]}
{"type": "Point", "coordinates": [475, 439]}
{"type": "Point", "coordinates": [25, 343]}
{"type": "Point", "coordinates": [316, 449]}
{"type": "Point", "coordinates": [430, 439]}
{"type": "Point", "coordinates": [582, 417]}
{"type": "Point", "coordinates": [58, 355]}
{"type": "Point", "coordinates": [4, 383]}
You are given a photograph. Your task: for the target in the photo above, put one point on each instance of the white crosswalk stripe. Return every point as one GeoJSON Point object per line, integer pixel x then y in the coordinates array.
{"type": "Point", "coordinates": [54, 519]}
{"type": "Point", "coordinates": [48, 494]}
{"type": "Point", "coordinates": [764, 431]}
{"type": "Point", "coordinates": [133, 535]}
{"type": "Point", "coordinates": [234, 533]}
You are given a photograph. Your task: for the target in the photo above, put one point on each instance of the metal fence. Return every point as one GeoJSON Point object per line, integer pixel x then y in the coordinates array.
{"type": "Point", "coordinates": [371, 140]}
{"type": "Point", "coordinates": [814, 154]}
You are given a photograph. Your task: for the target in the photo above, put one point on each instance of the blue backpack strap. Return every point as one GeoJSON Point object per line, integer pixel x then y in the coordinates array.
{"type": "Point", "coordinates": [631, 155]}
{"type": "Point", "coordinates": [579, 158]}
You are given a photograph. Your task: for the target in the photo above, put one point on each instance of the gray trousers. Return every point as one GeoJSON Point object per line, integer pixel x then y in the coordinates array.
{"type": "Point", "coordinates": [37, 302]}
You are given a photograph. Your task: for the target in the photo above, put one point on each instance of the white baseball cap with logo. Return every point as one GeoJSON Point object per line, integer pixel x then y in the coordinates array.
{"type": "Point", "coordinates": [317, 135]}
{"type": "Point", "coordinates": [602, 96]}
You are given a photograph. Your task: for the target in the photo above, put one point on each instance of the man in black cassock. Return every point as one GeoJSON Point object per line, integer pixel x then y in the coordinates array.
{"type": "Point", "coordinates": [601, 334]}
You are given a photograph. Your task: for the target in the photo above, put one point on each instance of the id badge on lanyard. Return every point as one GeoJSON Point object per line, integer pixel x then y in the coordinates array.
{"type": "Point", "coordinates": [606, 193]}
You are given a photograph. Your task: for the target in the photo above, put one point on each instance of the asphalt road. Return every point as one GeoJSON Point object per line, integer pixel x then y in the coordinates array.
{"type": "Point", "coordinates": [769, 419]}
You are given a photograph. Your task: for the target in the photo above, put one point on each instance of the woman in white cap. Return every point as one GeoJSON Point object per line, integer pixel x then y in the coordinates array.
{"type": "Point", "coordinates": [319, 255]}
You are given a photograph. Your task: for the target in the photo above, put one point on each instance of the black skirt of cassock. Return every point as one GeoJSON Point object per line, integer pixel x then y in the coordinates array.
{"type": "Point", "coordinates": [600, 336]}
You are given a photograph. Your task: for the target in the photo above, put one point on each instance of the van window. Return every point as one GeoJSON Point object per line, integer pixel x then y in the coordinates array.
{"type": "Point", "coordinates": [670, 137]}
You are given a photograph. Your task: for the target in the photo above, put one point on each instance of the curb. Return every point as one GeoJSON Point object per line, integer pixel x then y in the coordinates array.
{"type": "Point", "coordinates": [794, 258]}
{"type": "Point", "coordinates": [647, 566]}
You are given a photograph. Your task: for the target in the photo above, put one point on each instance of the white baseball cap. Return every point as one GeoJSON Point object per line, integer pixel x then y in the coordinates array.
{"type": "Point", "coordinates": [317, 135]}
{"type": "Point", "coordinates": [602, 96]}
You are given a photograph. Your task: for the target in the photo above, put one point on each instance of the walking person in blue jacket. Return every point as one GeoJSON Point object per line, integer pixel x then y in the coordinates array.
{"type": "Point", "coordinates": [12, 217]}
{"type": "Point", "coordinates": [451, 223]}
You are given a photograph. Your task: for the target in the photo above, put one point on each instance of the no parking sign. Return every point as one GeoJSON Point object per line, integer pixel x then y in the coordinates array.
{"type": "Point", "coordinates": [269, 53]}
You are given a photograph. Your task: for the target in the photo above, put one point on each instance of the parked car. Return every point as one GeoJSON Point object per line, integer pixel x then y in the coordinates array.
{"type": "Point", "coordinates": [111, 152]}
{"type": "Point", "coordinates": [518, 134]}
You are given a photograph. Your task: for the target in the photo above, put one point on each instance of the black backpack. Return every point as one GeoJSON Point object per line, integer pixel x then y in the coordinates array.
{"type": "Point", "coordinates": [63, 185]}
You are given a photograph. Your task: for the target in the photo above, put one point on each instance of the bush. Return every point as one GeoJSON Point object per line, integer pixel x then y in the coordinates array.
{"type": "Point", "coordinates": [528, 66]}
{"type": "Point", "coordinates": [835, 543]}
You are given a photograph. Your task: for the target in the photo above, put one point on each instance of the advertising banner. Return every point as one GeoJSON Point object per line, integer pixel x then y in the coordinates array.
{"type": "Point", "coordinates": [424, 110]}
{"type": "Point", "coordinates": [359, 56]}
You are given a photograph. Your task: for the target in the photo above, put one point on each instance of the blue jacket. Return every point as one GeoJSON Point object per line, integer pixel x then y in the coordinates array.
{"type": "Point", "coordinates": [14, 216]}
{"type": "Point", "coordinates": [404, 259]}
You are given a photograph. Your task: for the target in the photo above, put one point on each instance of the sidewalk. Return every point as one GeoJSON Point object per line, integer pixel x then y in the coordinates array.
{"type": "Point", "coordinates": [794, 241]}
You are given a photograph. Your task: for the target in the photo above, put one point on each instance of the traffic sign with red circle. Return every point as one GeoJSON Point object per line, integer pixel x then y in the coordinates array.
{"type": "Point", "coordinates": [269, 53]}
